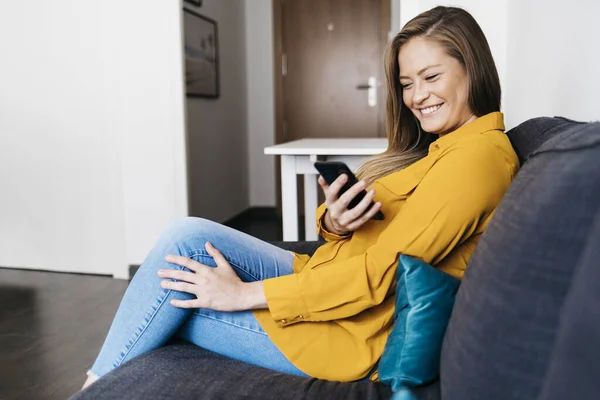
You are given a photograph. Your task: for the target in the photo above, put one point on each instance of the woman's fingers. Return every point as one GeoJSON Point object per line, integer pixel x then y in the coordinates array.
{"type": "Point", "coordinates": [179, 275]}
{"type": "Point", "coordinates": [179, 286]}
{"type": "Point", "coordinates": [362, 206]}
{"type": "Point", "coordinates": [215, 288]}
{"type": "Point", "coordinates": [347, 216]}
{"type": "Point", "coordinates": [187, 303]}
{"type": "Point", "coordinates": [216, 255]}
{"type": "Point", "coordinates": [322, 183]}
{"type": "Point", "coordinates": [331, 194]}
{"type": "Point", "coordinates": [351, 193]}
{"type": "Point", "coordinates": [365, 217]}
{"type": "Point", "coordinates": [184, 262]}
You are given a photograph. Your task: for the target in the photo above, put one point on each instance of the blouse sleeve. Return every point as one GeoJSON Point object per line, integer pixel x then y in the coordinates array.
{"type": "Point", "coordinates": [322, 230]}
{"type": "Point", "coordinates": [450, 203]}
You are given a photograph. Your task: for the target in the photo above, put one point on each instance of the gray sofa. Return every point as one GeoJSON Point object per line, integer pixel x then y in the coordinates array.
{"type": "Point", "coordinates": [526, 323]}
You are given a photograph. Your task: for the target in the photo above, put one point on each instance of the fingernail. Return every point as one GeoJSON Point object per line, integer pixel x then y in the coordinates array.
{"type": "Point", "coordinates": [160, 272]}
{"type": "Point", "coordinates": [209, 244]}
{"type": "Point", "coordinates": [168, 259]}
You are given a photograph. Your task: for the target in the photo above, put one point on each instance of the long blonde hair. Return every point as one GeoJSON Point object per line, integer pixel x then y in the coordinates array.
{"type": "Point", "coordinates": [462, 38]}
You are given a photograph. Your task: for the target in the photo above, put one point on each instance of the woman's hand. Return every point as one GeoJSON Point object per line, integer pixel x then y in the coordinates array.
{"type": "Point", "coordinates": [338, 218]}
{"type": "Point", "coordinates": [216, 288]}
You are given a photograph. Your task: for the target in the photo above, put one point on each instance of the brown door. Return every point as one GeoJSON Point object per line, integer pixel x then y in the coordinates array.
{"type": "Point", "coordinates": [329, 50]}
{"type": "Point", "coordinates": [325, 53]}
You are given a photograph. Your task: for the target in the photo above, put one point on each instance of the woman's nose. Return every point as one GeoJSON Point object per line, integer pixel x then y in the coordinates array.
{"type": "Point", "coordinates": [420, 94]}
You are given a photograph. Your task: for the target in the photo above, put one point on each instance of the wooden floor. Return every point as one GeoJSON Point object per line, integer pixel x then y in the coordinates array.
{"type": "Point", "coordinates": [52, 325]}
{"type": "Point", "coordinates": [51, 328]}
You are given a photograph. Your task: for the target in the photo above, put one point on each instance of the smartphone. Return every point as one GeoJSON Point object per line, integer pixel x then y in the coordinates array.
{"type": "Point", "coordinates": [330, 170]}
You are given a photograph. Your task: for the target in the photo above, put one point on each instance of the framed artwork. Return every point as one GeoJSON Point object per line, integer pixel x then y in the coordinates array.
{"type": "Point", "coordinates": [201, 55]}
{"type": "Point", "coordinates": [197, 3]}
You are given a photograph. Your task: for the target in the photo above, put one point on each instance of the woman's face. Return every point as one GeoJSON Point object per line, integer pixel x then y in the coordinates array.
{"type": "Point", "coordinates": [435, 86]}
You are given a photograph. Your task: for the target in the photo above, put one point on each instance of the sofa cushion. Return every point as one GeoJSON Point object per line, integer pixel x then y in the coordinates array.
{"type": "Point", "coordinates": [506, 314]}
{"type": "Point", "coordinates": [424, 300]}
{"type": "Point", "coordinates": [184, 371]}
{"type": "Point", "coordinates": [574, 366]}
{"type": "Point", "coordinates": [529, 136]}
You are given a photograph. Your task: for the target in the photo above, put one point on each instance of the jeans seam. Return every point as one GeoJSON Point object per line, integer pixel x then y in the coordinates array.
{"type": "Point", "coordinates": [232, 263]}
{"type": "Point", "coordinates": [137, 338]}
{"type": "Point", "coordinates": [232, 324]}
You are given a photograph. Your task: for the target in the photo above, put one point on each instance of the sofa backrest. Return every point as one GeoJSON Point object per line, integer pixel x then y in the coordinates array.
{"type": "Point", "coordinates": [507, 312]}
{"type": "Point", "coordinates": [574, 369]}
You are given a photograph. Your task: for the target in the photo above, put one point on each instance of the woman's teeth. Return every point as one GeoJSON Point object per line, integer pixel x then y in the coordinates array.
{"type": "Point", "coordinates": [430, 110]}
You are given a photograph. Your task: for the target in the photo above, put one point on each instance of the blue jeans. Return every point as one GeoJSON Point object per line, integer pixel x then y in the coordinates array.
{"type": "Point", "coordinates": [146, 320]}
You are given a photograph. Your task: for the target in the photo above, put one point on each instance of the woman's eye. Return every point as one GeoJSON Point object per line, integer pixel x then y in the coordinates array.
{"type": "Point", "coordinates": [406, 85]}
{"type": "Point", "coordinates": [432, 77]}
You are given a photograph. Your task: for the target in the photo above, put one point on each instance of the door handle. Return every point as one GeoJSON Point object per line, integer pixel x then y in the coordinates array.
{"type": "Point", "coordinates": [371, 88]}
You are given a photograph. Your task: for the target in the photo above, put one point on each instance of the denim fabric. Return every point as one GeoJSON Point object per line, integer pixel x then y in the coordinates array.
{"type": "Point", "coordinates": [145, 320]}
{"type": "Point", "coordinates": [506, 316]}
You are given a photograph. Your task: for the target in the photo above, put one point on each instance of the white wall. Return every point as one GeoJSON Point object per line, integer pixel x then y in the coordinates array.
{"type": "Point", "coordinates": [150, 119]}
{"type": "Point", "coordinates": [261, 102]}
{"type": "Point", "coordinates": [553, 60]}
{"type": "Point", "coordinates": [395, 22]}
{"type": "Point", "coordinates": [217, 128]}
{"type": "Point", "coordinates": [91, 132]}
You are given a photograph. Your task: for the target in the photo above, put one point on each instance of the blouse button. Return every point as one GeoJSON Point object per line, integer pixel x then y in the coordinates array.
{"type": "Point", "coordinates": [300, 316]}
{"type": "Point", "coordinates": [284, 321]}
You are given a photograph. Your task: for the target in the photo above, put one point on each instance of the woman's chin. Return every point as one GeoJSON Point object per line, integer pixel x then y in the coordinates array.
{"type": "Point", "coordinates": [431, 127]}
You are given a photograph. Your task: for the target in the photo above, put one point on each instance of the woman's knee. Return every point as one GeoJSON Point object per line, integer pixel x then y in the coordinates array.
{"type": "Point", "coordinates": [182, 228]}
{"type": "Point", "coordinates": [187, 234]}
{"type": "Point", "coordinates": [183, 236]}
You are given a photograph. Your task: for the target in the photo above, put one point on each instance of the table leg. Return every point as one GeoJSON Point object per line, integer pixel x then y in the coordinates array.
{"type": "Point", "coordinates": [310, 206]}
{"type": "Point", "coordinates": [289, 198]}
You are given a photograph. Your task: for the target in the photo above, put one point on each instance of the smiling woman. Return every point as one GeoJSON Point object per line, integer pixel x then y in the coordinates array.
{"type": "Point", "coordinates": [329, 315]}
{"type": "Point", "coordinates": [436, 94]}
{"type": "Point", "coordinates": [440, 75]}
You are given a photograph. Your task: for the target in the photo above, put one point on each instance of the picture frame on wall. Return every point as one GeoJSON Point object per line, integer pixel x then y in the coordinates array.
{"type": "Point", "coordinates": [201, 55]}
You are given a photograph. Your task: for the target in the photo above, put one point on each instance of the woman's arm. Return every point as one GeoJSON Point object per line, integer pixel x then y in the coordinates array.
{"type": "Point", "coordinates": [450, 203]}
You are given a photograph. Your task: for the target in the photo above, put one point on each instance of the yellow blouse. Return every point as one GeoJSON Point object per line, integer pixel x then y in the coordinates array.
{"type": "Point", "coordinates": [331, 318]}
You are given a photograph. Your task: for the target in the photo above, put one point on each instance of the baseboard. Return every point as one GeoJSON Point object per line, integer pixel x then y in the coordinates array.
{"type": "Point", "coordinates": [132, 270]}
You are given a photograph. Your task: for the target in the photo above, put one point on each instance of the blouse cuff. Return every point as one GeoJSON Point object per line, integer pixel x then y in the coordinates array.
{"type": "Point", "coordinates": [286, 304]}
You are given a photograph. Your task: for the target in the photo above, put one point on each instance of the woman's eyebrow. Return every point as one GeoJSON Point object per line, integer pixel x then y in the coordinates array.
{"type": "Point", "coordinates": [423, 70]}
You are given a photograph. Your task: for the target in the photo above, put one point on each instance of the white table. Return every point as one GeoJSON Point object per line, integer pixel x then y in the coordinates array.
{"type": "Point", "coordinates": [298, 157]}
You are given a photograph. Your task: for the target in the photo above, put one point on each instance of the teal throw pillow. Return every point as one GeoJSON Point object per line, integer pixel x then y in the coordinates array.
{"type": "Point", "coordinates": [424, 301]}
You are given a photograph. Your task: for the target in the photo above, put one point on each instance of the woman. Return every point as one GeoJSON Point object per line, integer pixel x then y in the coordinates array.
{"type": "Point", "coordinates": [329, 315]}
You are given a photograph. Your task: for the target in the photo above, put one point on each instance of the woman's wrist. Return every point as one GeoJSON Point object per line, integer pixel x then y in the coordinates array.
{"type": "Point", "coordinates": [252, 296]}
